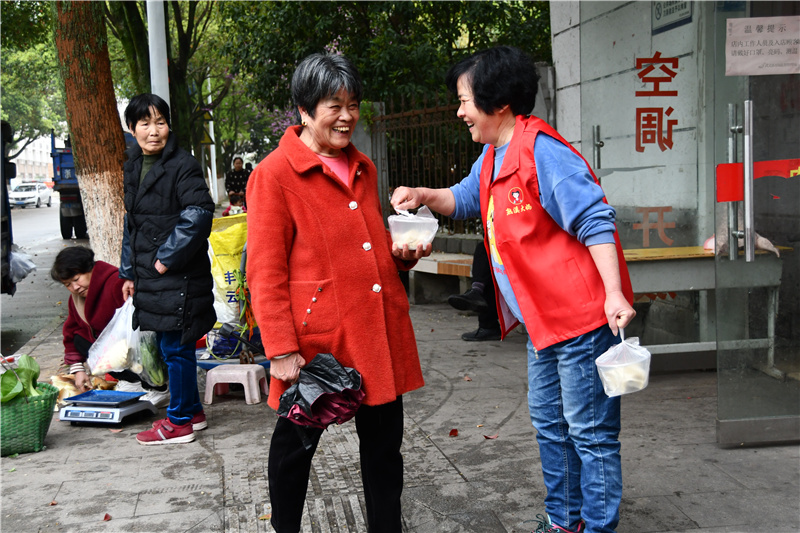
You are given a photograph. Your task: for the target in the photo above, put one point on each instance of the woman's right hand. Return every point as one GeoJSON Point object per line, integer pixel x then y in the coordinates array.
{"type": "Point", "coordinates": [127, 289]}
{"type": "Point", "coordinates": [406, 198]}
{"type": "Point", "coordinates": [82, 381]}
{"type": "Point", "coordinates": [287, 368]}
{"type": "Point", "coordinates": [439, 200]}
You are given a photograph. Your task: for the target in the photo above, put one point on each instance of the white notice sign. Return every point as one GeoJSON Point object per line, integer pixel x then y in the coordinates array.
{"type": "Point", "coordinates": [762, 45]}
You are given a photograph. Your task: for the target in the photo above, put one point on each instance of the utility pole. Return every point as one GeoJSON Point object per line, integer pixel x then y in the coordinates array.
{"type": "Point", "coordinates": [157, 37]}
{"type": "Point", "coordinates": [213, 151]}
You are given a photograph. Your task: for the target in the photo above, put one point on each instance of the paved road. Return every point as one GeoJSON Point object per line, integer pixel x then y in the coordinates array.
{"type": "Point", "coordinates": [32, 227]}
{"type": "Point", "coordinates": [39, 300]}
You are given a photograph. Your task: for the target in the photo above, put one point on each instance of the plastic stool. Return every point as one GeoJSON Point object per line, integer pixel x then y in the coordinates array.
{"type": "Point", "coordinates": [252, 377]}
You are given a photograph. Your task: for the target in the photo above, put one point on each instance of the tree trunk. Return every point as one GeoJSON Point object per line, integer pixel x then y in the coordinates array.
{"type": "Point", "coordinates": [98, 143]}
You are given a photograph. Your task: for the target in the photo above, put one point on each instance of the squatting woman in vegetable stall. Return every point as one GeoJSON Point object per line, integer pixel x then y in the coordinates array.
{"type": "Point", "coordinates": [95, 294]}
{"type": "Point", "coordinates": [323, 275]}
{"type": "Point", "coordinates": [165, 258]}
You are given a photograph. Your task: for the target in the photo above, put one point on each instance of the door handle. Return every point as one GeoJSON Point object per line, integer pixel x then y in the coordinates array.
{"type": "Point", "coordinates": [596, 145]}
{"type": "Point", "coordinates": [749, 219]}
{"type": "Point", "coordinates": [734, 129]}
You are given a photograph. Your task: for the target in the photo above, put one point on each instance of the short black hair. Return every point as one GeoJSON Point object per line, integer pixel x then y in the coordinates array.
{"type": "Point", "coordinates": [139, 108]}
{"type": "Point", "coordinates": [235, 198]}
{"type": "Point", "coordinates": [71, 262]}
{"type": "Point", "coordinates": [239, 158]}
{"type": "Point", "coordinates": [321, 76]}
{"type": "Point", "coordinates": [503, 75]}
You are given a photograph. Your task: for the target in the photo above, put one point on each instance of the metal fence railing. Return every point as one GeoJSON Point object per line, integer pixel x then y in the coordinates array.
{"type": "Point", "coordinates": [424, 147]}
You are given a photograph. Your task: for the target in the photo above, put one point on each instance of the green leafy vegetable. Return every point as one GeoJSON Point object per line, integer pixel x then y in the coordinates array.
{"type": "Point", "coordinates": [21, 380]}
{"type": "Point", "coordinates": [10, 386]}
{"type": "Point", "coordinates": [154, 366]}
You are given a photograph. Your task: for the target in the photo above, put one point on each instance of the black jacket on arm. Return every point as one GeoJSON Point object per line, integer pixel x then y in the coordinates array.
{"type": "Point", "coordinates": [168, 217]}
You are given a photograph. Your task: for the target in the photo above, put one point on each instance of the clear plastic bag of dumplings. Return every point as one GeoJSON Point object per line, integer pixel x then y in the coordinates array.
{"type": "Point", "coordinates": [413, 229]}
{"type": "Point", "coordinates": [625, 367]}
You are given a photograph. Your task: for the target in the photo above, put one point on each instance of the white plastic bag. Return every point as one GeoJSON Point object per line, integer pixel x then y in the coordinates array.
{"type": "Point", "coordinates": [19, 265]}
{"type": "Point", "coordinates": [111, 351]}
{"type": "Point", "coordinates": [625, 367]}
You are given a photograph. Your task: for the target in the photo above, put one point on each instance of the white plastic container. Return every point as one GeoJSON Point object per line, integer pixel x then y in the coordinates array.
{"type": "Point", "coordinates": [412, 229]}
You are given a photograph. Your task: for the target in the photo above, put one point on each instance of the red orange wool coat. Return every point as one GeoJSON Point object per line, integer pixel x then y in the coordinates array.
{"type": "Point", "coordinates": [321, 272]}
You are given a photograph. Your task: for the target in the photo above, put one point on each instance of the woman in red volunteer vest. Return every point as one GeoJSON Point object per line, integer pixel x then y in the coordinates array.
{"type": "Point", "coordinates": [558, 268]}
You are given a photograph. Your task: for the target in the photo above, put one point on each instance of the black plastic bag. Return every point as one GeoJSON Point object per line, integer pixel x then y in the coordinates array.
{"type": "Point", "coordinates": [326, 393]}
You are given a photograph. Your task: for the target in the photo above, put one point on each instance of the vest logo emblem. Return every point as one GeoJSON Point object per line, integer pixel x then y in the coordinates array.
{"type": "Point", "coordinates": [515, 196]}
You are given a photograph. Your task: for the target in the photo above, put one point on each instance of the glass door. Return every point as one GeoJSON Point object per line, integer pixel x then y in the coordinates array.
{"type": "Point", "coordinates": [639, 128]}
{"type": "Point", "coordinates": [757, 162]}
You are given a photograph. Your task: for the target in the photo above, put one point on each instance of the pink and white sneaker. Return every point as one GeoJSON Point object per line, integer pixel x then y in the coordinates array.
{"type": "Point", "coordinates": [165, 432]}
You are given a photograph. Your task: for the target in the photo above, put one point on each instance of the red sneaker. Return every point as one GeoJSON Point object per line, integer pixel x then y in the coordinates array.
{"type": "Point", "coordinates": [199, 421]}
{"type": "Point", "coordinates": [165, 432]}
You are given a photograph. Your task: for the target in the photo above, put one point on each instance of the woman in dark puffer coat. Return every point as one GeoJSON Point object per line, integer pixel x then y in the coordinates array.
{"type": "Point", "coordinates": [165, 258]}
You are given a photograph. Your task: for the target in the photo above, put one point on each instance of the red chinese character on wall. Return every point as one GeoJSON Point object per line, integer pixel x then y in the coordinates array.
{"type": "Point", "coordinates": [650, 127]}
{"type": "Point", "coordinates": [653, 125]}
{"type": "Point", "coordinates": [664, 74]}
{"type": "Point", "coordinates": [659, 226]}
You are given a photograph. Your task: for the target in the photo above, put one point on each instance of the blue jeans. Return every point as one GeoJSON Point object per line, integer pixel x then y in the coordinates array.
{"type": "Point", "coordinates": [578, 432]}
{"type": "Point", "coordinates": [184, 400]}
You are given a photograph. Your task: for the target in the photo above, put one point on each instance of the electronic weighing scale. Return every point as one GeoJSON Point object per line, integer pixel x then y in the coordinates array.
{"type": "Point", "coordinates": [103, 406]}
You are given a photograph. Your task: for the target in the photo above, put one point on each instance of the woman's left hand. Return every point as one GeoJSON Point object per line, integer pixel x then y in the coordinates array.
{"type": "Point", "coordinates": [160, 267]}
{"type": "Point", "coordinates": [413, 254]}
{"type": "Point", "coordinates": [619, 312]}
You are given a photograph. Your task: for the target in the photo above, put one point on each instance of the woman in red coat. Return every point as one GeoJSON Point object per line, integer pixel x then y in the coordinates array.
{"type": "Point", "coordinates": [323, 274]}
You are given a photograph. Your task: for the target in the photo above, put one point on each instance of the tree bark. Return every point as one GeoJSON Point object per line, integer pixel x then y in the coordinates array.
{"type": "Point", "coordinates": [98, 143]}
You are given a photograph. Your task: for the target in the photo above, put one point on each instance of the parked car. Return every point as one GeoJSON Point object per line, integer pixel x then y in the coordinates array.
{"type": "Point", "coordinates": [27, 194]}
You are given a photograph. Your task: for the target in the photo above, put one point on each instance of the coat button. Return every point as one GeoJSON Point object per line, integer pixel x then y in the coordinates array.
{"type": "Point", "coordinates": [376, 288]}
{"type": "Point", "coordinates": [353, 205]}
{"type": "Point", "coordinates": [367, 246]}
{"type": "Point", "coordinates": [308, 311]}
{"type": "Point", "coordinates": [314, 299]}
{"type": "Point", "coordinates": [181, 294]}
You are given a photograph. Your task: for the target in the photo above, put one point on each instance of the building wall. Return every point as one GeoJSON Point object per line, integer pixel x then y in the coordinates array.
{"type": "Point", "coordinates": [565, 37]}
{"type": "Point", "coordinates": [34, 163]}
{"type": "Point", "coordinates": [595, 50]}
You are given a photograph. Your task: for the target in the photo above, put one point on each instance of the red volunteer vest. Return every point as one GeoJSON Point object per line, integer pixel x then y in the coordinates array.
{"type": "Point", "coordinates": [557, 285]}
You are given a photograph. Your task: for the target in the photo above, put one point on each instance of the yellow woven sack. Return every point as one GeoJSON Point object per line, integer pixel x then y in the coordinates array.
{"type": "Point", "coordinates": [227, 240]}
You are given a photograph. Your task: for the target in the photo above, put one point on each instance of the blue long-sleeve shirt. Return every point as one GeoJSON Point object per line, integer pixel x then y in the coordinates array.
{"type": "Point", "coordinates": [567, 192]}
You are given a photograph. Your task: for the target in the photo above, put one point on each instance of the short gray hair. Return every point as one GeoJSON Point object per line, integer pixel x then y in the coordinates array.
{"type": "Point", "coordinates": [321, 76]}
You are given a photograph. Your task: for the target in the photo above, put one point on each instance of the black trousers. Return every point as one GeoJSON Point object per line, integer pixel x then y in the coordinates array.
{"type": "Point", "coordinates": [82, 345]}
{"type": "Point", "coordinates": [482, 273]}
{"type": "Point", "coordinates": [380, 434]}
